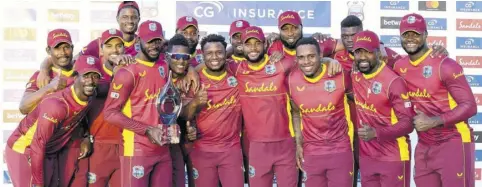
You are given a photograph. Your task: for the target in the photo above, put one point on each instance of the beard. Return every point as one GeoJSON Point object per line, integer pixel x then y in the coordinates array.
{"type": "Point", "coordinates": [293, 45]}
{"type": "Point", "coordinates": [152, 59]}
{"type": "Point", "coordinates": [419, 48]}
{"type": "Point", "coordinates": [258, 59]}
{"type": "Point", "coordinates": [192, 46]}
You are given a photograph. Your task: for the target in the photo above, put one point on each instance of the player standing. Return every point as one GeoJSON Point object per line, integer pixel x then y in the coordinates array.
{"type": "Point", "coordinates": [235, 30]}
{"type": "Point", "coordinates": [385, 115]}
{"type": "Point", "coordinates": [188, 27]}
{"type": "Point", "coordinates": [33, 149]}
{"type": "Point", "coordinates": [320, 103]}
{"type": "Point", "coordinates": [444, 102]}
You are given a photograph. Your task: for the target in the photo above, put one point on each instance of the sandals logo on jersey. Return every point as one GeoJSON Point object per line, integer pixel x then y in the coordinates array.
{"type": "Point", "coordinates": [427, 71]}
{"type": "Point", "coordinates": [162, 71]}
{"type": "Point", "coordinates": [138, 172]}
{"type": "Point", "coordinates": [91, 177]}
{"type": "Point", "coordinates": [200, 59]}
{"type": "Point", "coordinates": [270, 69]}
{"type": "Point", "coordinates": [232, 82]}
{"type": "Point", "coordinates": [195, 173]}
{"type": "Point", "coordinates": [251, 171]}
{"type": "Point", "coordinates": [376, 87]}
{"type": "Point", "coordinates": [330, 86]}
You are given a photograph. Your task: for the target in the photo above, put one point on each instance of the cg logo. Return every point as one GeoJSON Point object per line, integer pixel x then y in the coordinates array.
{"type": "Point", "coordinates": [393, 3]}
{"type": "Point", "coordinates": [469, 4]}
{"type": "Point", "coordinates": [208, 9]}
{"type": "Point", "coordinates": [432, 22]}
{"type": "Point", "coordinates": [395, 40]}
{"type": "Point", "coordinates": [469, 41]}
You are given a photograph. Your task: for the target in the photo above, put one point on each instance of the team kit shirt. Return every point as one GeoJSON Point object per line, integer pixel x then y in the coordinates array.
{"type": "Point", "coordinates": [235, 59]}
{"type": "Point", "coordinates": [325, 114]}
{"type": "Point", "coordinates": [46, 130]}
{"type": "Point", "coordinates": [219, 121]}
{"type": "Point", "coordinates": [93, 48]}
{"type": "Point", "coordinates": [131, 104]}
{"type": "Point", "coordinates": [346, 59]}
{"type": "Point", "coordinates": [327, 48]}
{"type": "Point", "coordinates": [32, 83]}
{"type": "Point", "coordinates": [382, 103]}
{"type": "Point", "coordinates": [196, 58]}
{"type": "Point", "coordinates": [436, 87]}
{"type": "Point", "coordinates": [264, 99]}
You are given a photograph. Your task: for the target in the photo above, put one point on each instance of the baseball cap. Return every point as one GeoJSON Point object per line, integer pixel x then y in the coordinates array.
{"type": "Point", "coordinates": [289, 17]}
{"type": "Point", "coordinates": [109, 34]}
{"type": "Point", "coordinates": [413, 22]}
{"type": "Point", "coordinates": [124, 4]}
{"type": "Point", "coordinates": [149, 30]}
{"type": "Point", "coordinates": [253, 32]}
{"type": "Point", "coordinates": [238, 26]}
{"type": "Point", "coordinates": [57, 36]}
{"type": "Point", "coordinates": [367, 40]}
{"type": "Point", "coordinates": [86, 64]}
{"type": "Point", "coordinates": [186, 21]}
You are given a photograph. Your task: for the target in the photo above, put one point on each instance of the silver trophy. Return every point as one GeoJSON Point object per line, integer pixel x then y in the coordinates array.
{"type": "Point", "coordinates": [169, 105]}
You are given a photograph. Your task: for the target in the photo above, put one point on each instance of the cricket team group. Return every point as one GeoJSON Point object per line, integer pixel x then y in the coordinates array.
{"type": "Point", "coordinates": [312, 110]}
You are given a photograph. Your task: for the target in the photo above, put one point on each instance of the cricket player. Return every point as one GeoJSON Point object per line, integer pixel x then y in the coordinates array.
{"type": "Point", "coordinates": [33, 149]}
{"type": "Point", "coordinates": [385, 113]}
{"type": "Point", "coordinates": [145, 160]}
{"type": "Point", "coordinates": [320, 103]}
{"type": "Point", "coordinates": [443, 100]}
{"type": "Point", "coordinates": [188, 27]}
{"type": "Point", "coordinates": [235, 30]}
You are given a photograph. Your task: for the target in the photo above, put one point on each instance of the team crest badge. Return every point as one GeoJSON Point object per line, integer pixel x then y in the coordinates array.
{"type": "Point", "coordinates": [162, 72]}
{"type": "Point", "coordinates": [270, 69]}
{"type": "Point", "coordinates": [330, 85]}
{"type": "Point", "coordinates": [152, 26]}
{"type": "Point", "coordinates": [427, 71]}
{"type": "Point", "coordinates": [239, 24]}
{"type": "Point", "coordinates": [112, 31]}
{"type": "Point", "coordinates": [195, 173]}
{"type": "Point", "coordinates": [200, 59]}
{"type": "Point", "coordinates": [137, 47]}
{"type": "Point", "coordinates": [138, 172]}
{"type": "Point", "coordinates": [189, 19]}
{"type": "Point", "coordinates": [411, 19]}
{"type": "Point", "coordinates": [90, 60]}
{"type": "Point", "coordinates": [251, 171]}
{"type": "Point", "coordinates": [91, 177]}
{"type": "Point", "coordinates": [376, 87]}
{"type": "Point", "coordinates": [232, 81]}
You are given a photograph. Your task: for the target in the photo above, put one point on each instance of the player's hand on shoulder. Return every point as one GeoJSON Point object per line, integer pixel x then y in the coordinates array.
{"type": "Point", "coordinates": [122, 59]}
{"type": "Point", "coordinates": [272, 37]}
{"type": "Point", "coordinates": [319, 37]}
{"type": "Point", "coordinates": [334, 67]}
{"type": "Point", "coordinates": [438, 51]}
{"type": "Point", "coordinates": [275, 57]}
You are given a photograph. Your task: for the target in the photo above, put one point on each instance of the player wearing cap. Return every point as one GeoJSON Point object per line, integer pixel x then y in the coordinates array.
{"type": "Point", "coordinates": [33, 148]}
{"type": "Point", "coordinates": [130, 104]}
{"type": "Point", "coordinates": [385, 116]}
{"type": "Point", "coordinates": [235, 30]}
{"type": "Point", "coordinates": [188, 27]}
{"type": "Point", "coordinates": [320, 103]}
{"type": "Point", "coordinates": [444, 102]}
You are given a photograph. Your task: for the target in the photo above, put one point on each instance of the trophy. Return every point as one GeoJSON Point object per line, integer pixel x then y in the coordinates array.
{"type": "Point", "coordinates": [169, 105]}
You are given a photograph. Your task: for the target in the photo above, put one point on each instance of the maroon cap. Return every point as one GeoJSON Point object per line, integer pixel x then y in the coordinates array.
{"type": "Point", "coordinates": [253, 32]}
{"type": "Point", "coordinates": [149, 30]}
{"type": "Point", "coordinates": [238, 26]}
{"type": "Point", "coordinates": [367, 40]}
{"type": "Point", "coordinates": [58, 36]}
{"type": "Point", "coordinates": [109, 34]}
{"type": "Point", "coordinates": [413, 22]}
{"type": "Point", "coordinates": [86, 64]}
{"type": "Point", "coordinates": [124, 4]}
{"type": "Point", "coordinates": [289, 17]}
{"type": "Point", "coordinates": [186, 21]}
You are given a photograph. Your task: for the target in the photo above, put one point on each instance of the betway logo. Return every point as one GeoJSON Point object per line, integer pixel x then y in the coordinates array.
{"type": "Point", "coordinates": [478, 136]}
{"type": "Point", "coordinates": [12, 116]}
{"type": "Point", "coordinates": [469, 24]}
{"type": "Point", "coordinates": [390, 22]}
{"type": "Point", "coordinates": [469, 61]}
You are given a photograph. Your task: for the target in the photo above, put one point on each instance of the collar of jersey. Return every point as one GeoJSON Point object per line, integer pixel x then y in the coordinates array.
{"type": "Point", "coordinates": [107, 70]}
{"type": "Point", "coordinates": [350, 55]}
{"type": "Point", "coordinates": [371, 75]}
{"type": "Point", "coordinates": [128, 44]}
{"type": "Point", "coordinates": [145, 63]}
{"type": "Point", "coordinates": [259, 65]}
{"type": "Point", "coordinates": [291, 52]}
{"type": "Point", "coordinates": [317, 78]}
{"type": "Point", "coordinates": [237, 59]}
{"type": "Point", "coordinates": [212, 77]}
{"type": "Point", "coordinates": [76, 98]}
{"type": "Point", "coordinates": [420, 60]}
{"type": "Point", "coordinates": [64, 73]}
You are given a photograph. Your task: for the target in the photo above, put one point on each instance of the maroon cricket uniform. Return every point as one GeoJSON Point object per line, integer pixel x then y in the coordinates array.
{"type": "Point", "coordinates": [32, 83]}
{"type": "Point", "coordinates": [346, 59]}
{"type": "Point", "coordinates": [382, 104]}
{"type": "Point", "coordinates": [327, 48]}
{"type": "Point", "coordinates": [437, 87]}
{"type": "Point", "coordinates": [217, 153]}
{"type": "Point", "coordinates": [327, 127]}
{"type": "Point", "coordinates": [33, 148]}
{"type": "Point", "coordinates": [235, 59]}
{"type": "Point", "coordinates": [94, 47]}
{"type": "Point", "coordinates": [131, 106]}
{"type": "Point", "coordinates": [196, 58]}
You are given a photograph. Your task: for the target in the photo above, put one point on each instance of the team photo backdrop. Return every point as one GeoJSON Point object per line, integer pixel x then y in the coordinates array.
{"type": "Point", "coordinates": [457, 25]}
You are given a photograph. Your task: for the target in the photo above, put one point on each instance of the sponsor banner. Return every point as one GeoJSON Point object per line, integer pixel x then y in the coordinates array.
{"type": "Point", "coordinates": [19, 34]}
{"type": "Point", "coordinates": [469, 43]}
{"type": "Point", "coordinates": [478, 136]}
{"type": "Point", "coordinates": [63, 15]}
{"type": "Point", "coordinates": [474, 80]}
{"type": "Point", "coordinates": [432, 5]}
{"type": "Point", "coordinates": [391, 41]}
{"type": "Point", "coordinates": [19, 55]}
{"type": "Point", "coordinates": [477, 119]}
{"type": "Point", "coordinates": [12, 116]}
{"type": "Point", "coordinates": [394, 5]}
{"type": "Point", "coordinates": [478, 173]}
{"type": "Point", "coordinates": [469, 6]}
{"type": "Point", "coordinates": [478, 155]}
{"type": "Point", "coordinates": [437, 40]}
{"type": "Point", "coordinates": [469, 24]}
{"type": "Point", "coordinates": [390, 22]}
{"type": "Point", "coordinates": [313, 13]}
{"type": "Point", "coordinates": [469, 61]}
{"type": "Point", "coordinates": [478, 99]}
{"type": "Point", "coordinates": [436, 23]}
{"type": "Point", "coordinates": [13, 95]}
{"type": "Point", "coordinates": [6, 178]}
{"type": "Point", "coordinates": [149, 9]}
{"type": "Point", "coordinates": [20, 75]}
{"type": "Point", "coordinates": [103, 16]}
{"type": "Point", "coordinates": [20, 15]}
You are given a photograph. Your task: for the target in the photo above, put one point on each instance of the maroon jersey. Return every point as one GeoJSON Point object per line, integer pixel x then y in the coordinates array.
{"type": "Point", "coordinates": [32, 83]}
{"type": "Point", "coordinates": [94, 47]}
{"type": "Point", "coordinates": [219, 122]}
{"type": "Point", "coordinates": [327, 48]}
{"type": "Point", "coordinates": [236, 59]}
{"type": "Point", "coordinates": [196, 58]}
{"type": "Point", "coordinates": [381, 103]}
{"type": "Point", "coordinates": [437, 87]}
{"type": "Point", "coordinates": [346, 59]}
{"type": "Point", "coordinates": [264, 99]}
{"type": "Point", "coordinates": [131, 105]}
{"type": "Point", "coordinates": [327, 127]}
{"type": "Point", "coordinates": [47, 129]}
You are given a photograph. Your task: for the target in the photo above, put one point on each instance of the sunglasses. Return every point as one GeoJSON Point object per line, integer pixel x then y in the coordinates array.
{"type": "Point", "coordinates": [179, 56]}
